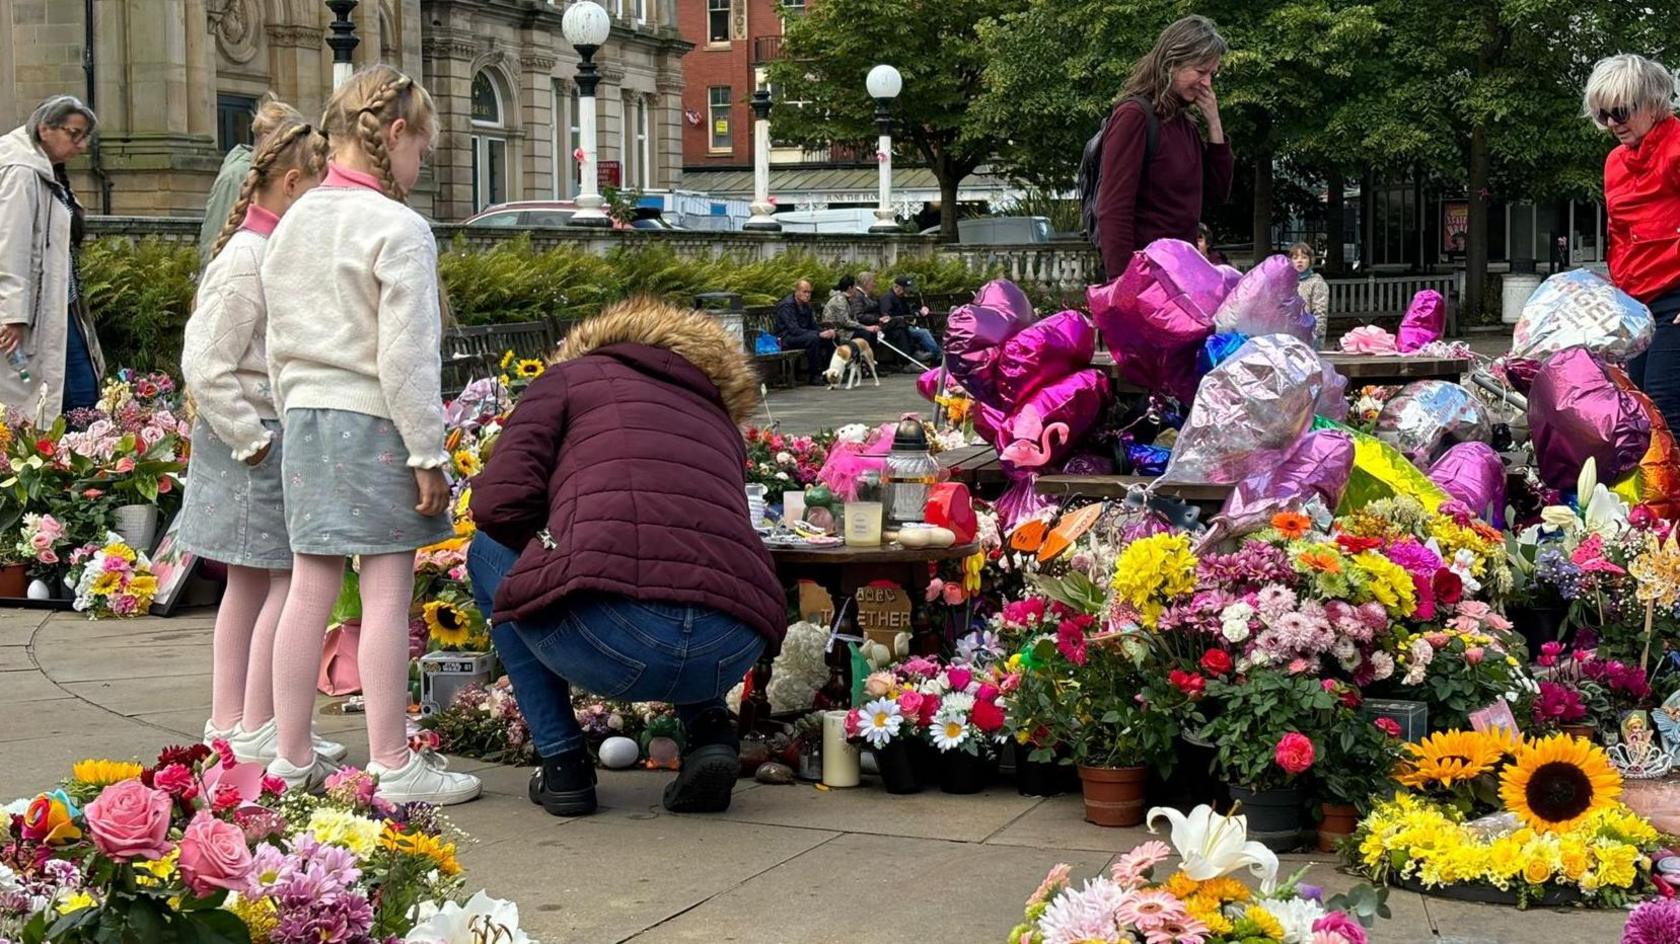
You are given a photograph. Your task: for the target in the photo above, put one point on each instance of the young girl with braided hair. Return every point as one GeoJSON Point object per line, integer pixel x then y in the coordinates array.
{"type": "Point", "coordinates": [354, 319]}
{"type": "Point", "coordinates": [233, 507]}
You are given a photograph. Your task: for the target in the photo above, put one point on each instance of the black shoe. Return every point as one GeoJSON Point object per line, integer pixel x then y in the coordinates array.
{"type": "Point", "coordinates": [706, 780]}
{"type": "Point", "coordinates": [564, 786]}
{"type": "Point", "coordinates": [711, 764]}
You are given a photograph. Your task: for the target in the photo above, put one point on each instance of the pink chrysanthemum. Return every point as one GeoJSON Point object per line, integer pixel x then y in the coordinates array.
{"type": "Point", "coordinates": [1654, 922]}
{"type": "Point", "coordinates": [1090, 913]}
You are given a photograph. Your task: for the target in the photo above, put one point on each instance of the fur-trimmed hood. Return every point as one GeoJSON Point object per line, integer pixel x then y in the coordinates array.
{"type": "Point", "coordinates": [694, 336]}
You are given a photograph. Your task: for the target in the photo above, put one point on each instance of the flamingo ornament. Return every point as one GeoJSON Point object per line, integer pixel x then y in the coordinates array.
{"type": "Point", "coordinates": [1032, 442]}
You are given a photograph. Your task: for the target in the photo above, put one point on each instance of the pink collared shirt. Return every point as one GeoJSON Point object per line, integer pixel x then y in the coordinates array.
{"type": "Point", "coordinates": [340, 176]}
{"type": "Point", "coordinates": [259, 221]}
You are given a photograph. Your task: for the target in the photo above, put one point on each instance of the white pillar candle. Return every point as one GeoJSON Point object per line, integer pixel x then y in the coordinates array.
{"type": "Point", "coordinates": [793, 505]}
{"type": "Point", "coordinates": [840, 759]}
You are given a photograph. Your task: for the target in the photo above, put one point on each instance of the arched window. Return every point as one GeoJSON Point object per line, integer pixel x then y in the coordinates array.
{"type": "Point", "coordinates": [489, 142]}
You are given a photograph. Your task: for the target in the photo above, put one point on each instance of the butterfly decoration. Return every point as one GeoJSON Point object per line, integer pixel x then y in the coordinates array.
{"type": "Point", "coordinates": [1667, 718]}
{"type": "Point", "coordinates": [1033, 442]}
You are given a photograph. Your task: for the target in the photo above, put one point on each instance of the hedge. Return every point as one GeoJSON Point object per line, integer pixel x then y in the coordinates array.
{"type": "Point", "coordinates": [141, 292]}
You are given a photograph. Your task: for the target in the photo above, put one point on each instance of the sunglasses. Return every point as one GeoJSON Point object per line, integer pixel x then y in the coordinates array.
{"type": "Point", "coordinates": [1614, 116]}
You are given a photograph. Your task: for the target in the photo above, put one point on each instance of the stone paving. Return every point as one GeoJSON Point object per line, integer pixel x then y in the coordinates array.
{"type": "Point", "coordinates": [786, 864]}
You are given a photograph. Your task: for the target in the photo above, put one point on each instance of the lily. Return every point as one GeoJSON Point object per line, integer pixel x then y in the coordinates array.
{"type": "Point", "coordinates": [482, 919]}
{"type": "Point", "coordinates": [1211, 845]}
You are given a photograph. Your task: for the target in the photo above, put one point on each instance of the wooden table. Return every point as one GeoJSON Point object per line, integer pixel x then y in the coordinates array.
{"type": "Point", "coordinates": [841, 570]}
{"type": "Point", "coordinates": [1363, 370]}
{"type": "Point", "coordinates": [974, 466]}
{"type": "Point", "coordinates": [1204, 495]}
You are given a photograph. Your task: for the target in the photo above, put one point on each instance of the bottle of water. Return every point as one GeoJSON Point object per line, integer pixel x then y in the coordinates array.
{"type": "Point", "coordinates": [19, 362]}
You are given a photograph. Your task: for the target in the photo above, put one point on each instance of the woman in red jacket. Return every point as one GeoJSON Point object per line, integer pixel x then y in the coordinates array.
{"type": "Point", "coordinates": [1138, 203]}
{"type": "Point", "coordinates": [1634, 99]}
{"type": "Point", "coordinates": [620, 482]}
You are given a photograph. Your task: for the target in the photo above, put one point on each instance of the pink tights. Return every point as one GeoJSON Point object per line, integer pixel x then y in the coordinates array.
{"type": "Point", "coordinates": [382, 656]}
{"type": "Point", "coordinates": [241, 691]}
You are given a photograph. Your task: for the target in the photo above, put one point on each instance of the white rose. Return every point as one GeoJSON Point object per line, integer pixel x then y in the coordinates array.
{"type": "Point", "coordinates": [784, 458]}
{"type": "Point", "coordinates": [1236, 630]}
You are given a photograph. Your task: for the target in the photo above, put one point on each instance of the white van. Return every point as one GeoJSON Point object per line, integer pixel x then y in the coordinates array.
{"type": "Point", "coordinates": [844, 220]}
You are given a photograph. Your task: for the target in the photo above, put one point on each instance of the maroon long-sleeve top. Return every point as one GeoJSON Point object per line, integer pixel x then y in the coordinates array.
{"type": "Point", "coordinates": [1185, 172]}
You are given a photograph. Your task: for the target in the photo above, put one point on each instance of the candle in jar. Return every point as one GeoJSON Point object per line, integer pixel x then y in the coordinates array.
{"type": "Point", "coordinates": [840, 758]}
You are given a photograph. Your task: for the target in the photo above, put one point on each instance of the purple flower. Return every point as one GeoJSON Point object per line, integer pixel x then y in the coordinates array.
{"type": "Point", "coordinates": [1418, 560]}
{"type": "Point", "coordinates": [1654, 922]}
{"type": "Point", "coordinates": [1309, 892]}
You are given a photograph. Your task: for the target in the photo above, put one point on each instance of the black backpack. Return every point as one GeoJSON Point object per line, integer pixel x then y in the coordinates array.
{"type": "Point", "coordinates": [1090, 165]}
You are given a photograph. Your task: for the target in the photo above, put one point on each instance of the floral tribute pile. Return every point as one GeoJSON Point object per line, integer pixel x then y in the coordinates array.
{"type": "Point", "coordinates": [1201, 902]}
{"type": "Point", "coordinates": [1537, 818]}
{"type": "Point", "coordinates": [200, 847]}
{"type": "Point", "coordinates": [955, 706]}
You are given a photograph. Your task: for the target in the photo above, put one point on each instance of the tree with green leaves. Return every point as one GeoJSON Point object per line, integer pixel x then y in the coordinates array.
{"type": "Point", "coordinates": [935, 46]}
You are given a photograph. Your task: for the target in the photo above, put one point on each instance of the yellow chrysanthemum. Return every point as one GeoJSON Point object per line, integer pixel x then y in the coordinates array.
{"type": "Point", "coordinates": [1264, 922]}
{"type": "Point", "coordinates": [529, 369]}
{"type": "Point", "coordinates": [448, 624]}
{"type": "Point", "coordinates": [107, 582]}
{"type": "Point", "coordinates": [143, 586]}
{"type": "Point", "coordinates": [1206, 910]}
{"type": "Point", "coordinates": [1182, 886]}
{"type": "Point", "coordinates": [1556, 781]}
{"type": "Point", "coordinates": [1154, 570]}
{"type": "Point", "coordinates": [103, 773]}
{"type": "Point", "coordinates": [340, 828]}
{"type": "Point", "coordinates": [1388, 583]}
{"type": "Point", "coordinates": [1617, 864]}
{"type": "Point", "coordinates": [1449, 757]}
{"type": "Point", "coordinates": [442, 854]}
{"type": "Point", "coordinates": [261, 916]}
{"type": "Point", "coordinates": [1224, 889]}
{"type": "Point", "coordinates": [120, 550]}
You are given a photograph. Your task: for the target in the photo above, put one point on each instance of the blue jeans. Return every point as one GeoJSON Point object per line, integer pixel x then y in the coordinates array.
{"type": "Point", "coordinates": [81, 384]}
{"type": "Point", "coordinates": [925, 342]}
{"type": "Point", "coordinates": [1657, 371]}
{"type": "Point", "coordinates": [611, 646]}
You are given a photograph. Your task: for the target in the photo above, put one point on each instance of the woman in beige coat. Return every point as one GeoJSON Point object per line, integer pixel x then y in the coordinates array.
{"type": "Point", "coordinates": [42, 312]}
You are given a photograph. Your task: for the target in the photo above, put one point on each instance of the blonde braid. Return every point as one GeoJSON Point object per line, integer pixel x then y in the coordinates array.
{"type": "Point", "coordinates": [370, 124]}
{"type": "Point", "coordinates": [279, 144]}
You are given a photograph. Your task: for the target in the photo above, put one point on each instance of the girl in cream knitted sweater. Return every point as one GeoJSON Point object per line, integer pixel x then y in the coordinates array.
{"type": "Point", "coordinates": [350, 278]}
{"type": "Point", "coordinates": [233, 511]}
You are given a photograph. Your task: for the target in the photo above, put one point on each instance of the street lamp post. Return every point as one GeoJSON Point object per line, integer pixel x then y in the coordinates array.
{"type": "Point", "coordinates": [343, 40]}
{"type": "Point", "coordinates": [586, 26]}
{"type": "Point", "coordinates": [884, 84]}
{"type": "Point", "coordinates": [763, 211]}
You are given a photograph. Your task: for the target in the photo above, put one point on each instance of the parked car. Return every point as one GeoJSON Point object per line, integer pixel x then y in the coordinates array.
{"type": "Point", "coordinates": [539, 214]}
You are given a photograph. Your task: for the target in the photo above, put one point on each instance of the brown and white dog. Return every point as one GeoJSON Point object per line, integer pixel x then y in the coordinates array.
{"type": "Point", "coordinates": [850, 360]}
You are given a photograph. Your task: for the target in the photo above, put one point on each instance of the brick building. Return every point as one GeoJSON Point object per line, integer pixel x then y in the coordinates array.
{"type": "Point", "coordinates": [175, 82]}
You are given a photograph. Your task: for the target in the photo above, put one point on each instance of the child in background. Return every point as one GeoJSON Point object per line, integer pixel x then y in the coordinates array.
{"type": "Point", "coordinates": [353, 333]}
{"type": "Point", "coordinates": [233, 510]}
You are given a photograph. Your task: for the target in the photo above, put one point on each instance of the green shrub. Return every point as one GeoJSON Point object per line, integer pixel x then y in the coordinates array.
{"type": "Point", "coordinates": [141, 293]}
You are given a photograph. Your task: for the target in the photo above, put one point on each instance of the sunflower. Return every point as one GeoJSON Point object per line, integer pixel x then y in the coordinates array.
{"type": "Point", "coordinates": [529, 369]}
{"type": "Point", "coordinates": [466, 463]}
{"type": "Point", "coordinates": [1448, 757]}
{"type": "Point", "coordinates": [1556, 781]}
{"type": "Point", "coordinates": [507, 358]}
{"type": "Point", "coordinates": [448, 623]}
{"type": "Point", "coordinates": [1292, 524]}
{"type": "Point", "coordinates": [103, 773]}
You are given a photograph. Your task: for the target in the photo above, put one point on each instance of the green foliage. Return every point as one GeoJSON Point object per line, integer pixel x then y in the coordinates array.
{"type": "Point", "coordinates": [1254, 713]}
{"type": "Point", "coordinates": [934, 44]}
{"type": "Point", "coordinates": [140, 295]}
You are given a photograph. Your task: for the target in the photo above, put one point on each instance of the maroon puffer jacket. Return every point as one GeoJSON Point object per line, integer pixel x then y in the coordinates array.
{"type": "Point", "coordinates": [628, 457]}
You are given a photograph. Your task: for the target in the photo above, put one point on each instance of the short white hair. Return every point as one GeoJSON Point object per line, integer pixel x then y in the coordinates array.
{"type": "Point", "coordinates": [1632, 82]}
{"type": "Point", "coordinates": [55, 112]}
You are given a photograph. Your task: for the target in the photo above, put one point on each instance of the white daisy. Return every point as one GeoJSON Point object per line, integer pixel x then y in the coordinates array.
{"type": "Point", "coordinates": [880, 722]}
{"type": "Point", "coordinates": [949, 730]}
{"type": "Point", "coordinates": [958, 702]}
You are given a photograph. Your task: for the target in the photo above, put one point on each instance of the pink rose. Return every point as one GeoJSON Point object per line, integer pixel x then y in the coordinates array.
{"type": "Point", "coordinates": [177, 780]}
{"type": "Point", "coordinates": [1295, 753]}
{"type": "Point", "coordinates": [48, 556]}
{"type": "Point", "coordinates": [40, 541]}
{"type": "Point", "coordinates": [1437, 640]}
{"type": "Point", "coordinates": [987, 692]}
{"type": "Point", "coordinates": [954, 594]}
{"type": "Point", "coordinates": [854, 723]}
{"type": "Point", "coordinates": [959, 679]}
{"type": "Point", "coordinates": [910, 703]}
{"type": "Point", "coordinates": [130, 821]}
{"type": "Point", "coordinates": [214, 855]}
{"type": "Point", "coordinates": [1474, 655]}
{"type": "Point", "coordinates": [1389, 726]}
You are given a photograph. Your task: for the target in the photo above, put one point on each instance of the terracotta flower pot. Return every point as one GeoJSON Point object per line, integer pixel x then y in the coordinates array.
{"type": "Point", "coordinates": [1338, 824]}
{"type": "Point", "coordinates": [14, 580]}
{"type": "Point", "coordinates": [1113, 795]}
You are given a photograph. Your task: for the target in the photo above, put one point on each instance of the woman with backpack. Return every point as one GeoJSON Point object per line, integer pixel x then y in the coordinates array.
{"type": "Point", "coordinates": [1153, 169]}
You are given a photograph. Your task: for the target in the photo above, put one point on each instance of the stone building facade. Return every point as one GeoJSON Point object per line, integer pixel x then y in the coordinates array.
{"type": "Point", "coordinates": [176, 81]}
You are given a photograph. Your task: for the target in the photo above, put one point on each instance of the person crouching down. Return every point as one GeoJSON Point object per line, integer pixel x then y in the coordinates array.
{"type": "Point", "coordinates": [620, 482]}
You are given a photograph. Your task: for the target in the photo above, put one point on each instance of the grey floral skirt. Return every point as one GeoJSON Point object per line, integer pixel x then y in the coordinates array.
{"type": "Point", "coordinates": [233, 512]}
{"type": "Point", "coordinates": [349, 489]}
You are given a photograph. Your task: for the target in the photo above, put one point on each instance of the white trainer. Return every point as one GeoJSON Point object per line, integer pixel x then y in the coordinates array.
{"type": "Point", "coordinates": [423, 779]}
{"type": "Point", "coordinates": [263, 744]}
{"type": "Point", "coordinates": [309, 779]}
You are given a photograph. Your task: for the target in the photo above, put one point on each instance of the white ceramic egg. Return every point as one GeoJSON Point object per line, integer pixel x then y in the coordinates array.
{"type": "Point", "coordinates": [914, 537]}
{"type": "Point", "coordinates": [618, 753]}
{"type": "Point", "coordinates": [38, 590]}
{"type": "Point", "coordinates": [941, 537]}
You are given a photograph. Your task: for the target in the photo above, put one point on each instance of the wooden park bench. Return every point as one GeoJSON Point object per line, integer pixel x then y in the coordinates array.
{"type": "Point", "coordinates": [1382, 300]}
{"type": "Point", "coordinates": [477, 350]}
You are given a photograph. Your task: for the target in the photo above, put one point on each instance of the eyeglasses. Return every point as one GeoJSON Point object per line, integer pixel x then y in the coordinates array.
{"type": "Point", "coordinates": [1614, 116]}
{"type": "Point", "coordinates": [77, 135]}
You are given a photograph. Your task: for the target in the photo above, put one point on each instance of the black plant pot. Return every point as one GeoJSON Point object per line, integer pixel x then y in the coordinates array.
{"type": "Point", "coordinates": [1191, 783]}
{"type": "Point", "coordinates": [1539, 625]}
{"type": "Point", "coordinates": [897, 766]}
{"type": "Point", "coordinates": [1274, 816]}
{"type": "Point", "coordinates": [925, 758]}
{"type": "Point", "coordinates": [1039, 778]}
{"type": "Point", "coordinates": [962, 772]}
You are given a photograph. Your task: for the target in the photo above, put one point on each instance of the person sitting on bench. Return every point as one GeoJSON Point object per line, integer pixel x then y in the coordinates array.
{"type": "Point", "coordinates": [796, 327]}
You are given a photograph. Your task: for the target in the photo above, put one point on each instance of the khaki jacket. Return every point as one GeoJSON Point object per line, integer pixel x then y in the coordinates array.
{"type": "Point", "coordinates": [35, 278]}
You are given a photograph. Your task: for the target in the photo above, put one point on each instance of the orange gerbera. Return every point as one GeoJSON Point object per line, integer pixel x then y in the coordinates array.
{"type": "Point", "coordinates": [1320, 559]}
{"type": "Point", "coordinates": [1292, 524]}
